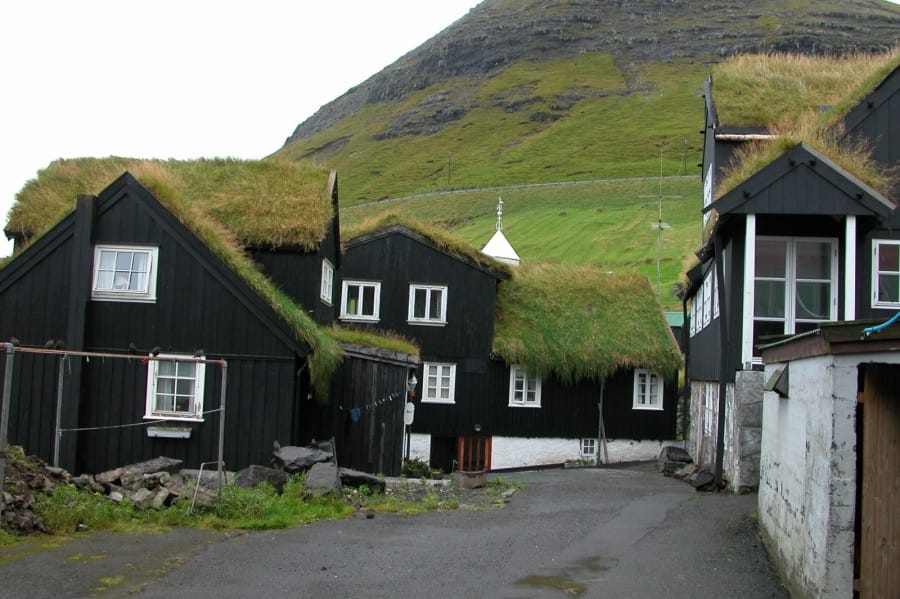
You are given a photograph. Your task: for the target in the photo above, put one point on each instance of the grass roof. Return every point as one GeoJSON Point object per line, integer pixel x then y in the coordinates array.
{"type": "Point", "coordinates": [754, 90]}
{"type": "Point", "coordinates": [275, 203]}
{"type": "Point", "coordinates": [262, 203]}
{"type": "Point", "coordinates": [577, 321]}
{"type": "Point", "coordinates": [786, 94]}
{"type": "Point", "coordinates": [438, 237]}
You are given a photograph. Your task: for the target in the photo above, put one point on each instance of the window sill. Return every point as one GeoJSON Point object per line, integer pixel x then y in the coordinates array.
{"type": "Point", "coordinates": [428, 323]}
{"type": "Point", "coordinates": [648, 408]}
{"type": "Point", "coordinates": [359, 319]}
{"type": "Point", "coordinates": [440, 402]}
{"type": "Point", "coordinates": [522, 405]}
{"type": "Point", "coordinates": [169, 432]}
{"type": "Point", "coordinates": [125, 298]}
{"type": "Point", "coordinates": [161, 418]}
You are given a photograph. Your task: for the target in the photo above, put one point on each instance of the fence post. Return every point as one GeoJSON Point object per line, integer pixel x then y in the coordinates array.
{"type": "Point", "coordinates": [4, 413]}
{"type": "Point", "coordinates": [57, 433]}
{"type": "Point", "coordinates": [224, 371]}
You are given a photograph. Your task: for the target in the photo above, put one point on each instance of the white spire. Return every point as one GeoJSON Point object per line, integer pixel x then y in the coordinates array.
{"type": "Point", "coordinates": [498, 246]}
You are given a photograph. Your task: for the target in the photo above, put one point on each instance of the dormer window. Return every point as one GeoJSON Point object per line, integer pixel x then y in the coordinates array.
{"type": "Point", "coordinates": [124, 273]}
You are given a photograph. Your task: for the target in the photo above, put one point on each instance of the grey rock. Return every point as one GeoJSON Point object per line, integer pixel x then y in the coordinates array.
{"type": "Point", "coordinates": [108, 477]}
{"type": "Point", "coordinates": [160, 498]}
{"type": "Point", "coordinates": [293, 459]}
{"type": "Point", "coordinates": [672, 458]}
{"type": "Point", "coordinates": [703, 480]}
{"type": "Point", "coordinates": [251, 476]}
{"type": "Point", "coordinates": [323, 479]}
{"type": "Point", "coordinates": [141, 498]}
{"type": "Point", "coordinates": [355, 478]}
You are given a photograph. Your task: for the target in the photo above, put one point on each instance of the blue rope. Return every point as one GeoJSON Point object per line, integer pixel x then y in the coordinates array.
{"type": "Point", "coordinates": [869, 330]}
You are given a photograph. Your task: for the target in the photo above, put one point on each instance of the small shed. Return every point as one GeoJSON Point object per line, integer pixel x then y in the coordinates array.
{"type": "Point", "coordinates": [830, 464]}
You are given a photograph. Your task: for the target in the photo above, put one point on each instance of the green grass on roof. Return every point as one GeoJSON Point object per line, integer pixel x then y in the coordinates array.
{"type": "Point", "coordinates": [437, 236]}
{"type": "Point", "coordinates": [578, 321]}
{"type": "Point", "coordinates": [262, 203]}
{"type": "Point", "coordinates": [759, 90]}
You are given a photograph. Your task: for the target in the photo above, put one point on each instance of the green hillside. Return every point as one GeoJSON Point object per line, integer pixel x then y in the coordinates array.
{"type": "Point", "coordinates": [608, 223]}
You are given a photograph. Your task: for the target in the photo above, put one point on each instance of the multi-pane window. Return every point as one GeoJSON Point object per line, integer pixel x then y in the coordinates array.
{"type": "Point", "coordinates": [648, 390]}
{"type": "Point", "coordinates": [524, 390]}
{"type": "Point", "coordinates": [588, 447]}
{"type": "Point", "coordinates": [885, 274]}
{"type": "Point", "coordinates": [440, 383]}
{"type": "Point", "coordinates": [326, 289]}
{"type": "Point", "coordinates": [427, 304]}
{"type": "Point", "coordinates": [361, 300]}
{"type": "Point", "coordinates": [795, 285]}
{"type": "Point", "coordinates": [124, 273]}
{"type": "Point", "coordinates": [175, 388]}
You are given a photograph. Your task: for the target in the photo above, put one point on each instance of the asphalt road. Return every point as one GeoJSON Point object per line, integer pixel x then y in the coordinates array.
{"type": "Point", "coordinates": [569, 533]}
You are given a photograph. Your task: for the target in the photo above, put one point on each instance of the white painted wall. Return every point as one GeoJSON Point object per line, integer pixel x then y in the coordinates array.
{"type": "Point", "coordinates": [520, 452]}
{"type": "Point", "coordinates": [808, 475]}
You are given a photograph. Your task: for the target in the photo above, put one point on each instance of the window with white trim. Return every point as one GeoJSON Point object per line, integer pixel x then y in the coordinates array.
{"type": "Point", "coordinates": [361, 300]}
{"type": "Point", "coordinates": [326, 289]}
{"type": "Point", "coordinates": [795, 285]}
{"type": "Point", "coordinates": [885, 273]}
{"type": "Point", "coordinates": [440, 383]}
{"type": "Point", "coordinates": [707, 299]}
{"type": "Point", "coordinates": [589, 448]}
{"type": "Point", "coordinates": [648, 390]}
{"type": "Point", "coordinates": [427, 304]}
{"type": "Point", "coordinates": [124, 273]}
{"type": "Point", "coordinates": [175, 388]}
{"type": "Point", "coordinates": [524, 391]}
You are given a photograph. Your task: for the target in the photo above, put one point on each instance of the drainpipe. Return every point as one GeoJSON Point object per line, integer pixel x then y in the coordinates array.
{"type": "Point", "coordinates": [724, 347]}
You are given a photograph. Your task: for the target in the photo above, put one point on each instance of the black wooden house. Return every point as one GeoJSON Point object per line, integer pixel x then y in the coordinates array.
{"type": "Point", "coordinates": [800, 241]}
{"type": "Point", "coordinates": [482, 403]}
{"type": "Point", "coordinates": [137, 314]}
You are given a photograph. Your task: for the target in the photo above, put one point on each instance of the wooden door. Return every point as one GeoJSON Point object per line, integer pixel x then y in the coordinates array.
{"type": "Point", "coordinates": [879, 574]}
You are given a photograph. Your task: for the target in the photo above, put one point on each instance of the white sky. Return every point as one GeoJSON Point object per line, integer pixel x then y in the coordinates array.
{"type": "Point", "coordinates": [185, 78]}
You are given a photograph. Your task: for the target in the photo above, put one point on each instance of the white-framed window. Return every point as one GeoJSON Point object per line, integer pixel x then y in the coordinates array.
{"type": "Point", "coordinates": [707, 299]}
{"type": "Point", "coordinates": [361, 300]}
{"type": "Point", "coordinates": [524, 391]}
{"type": "Point", "coordinates": [326, 289]}
{"type": "Point", "coordinates": [648, 390]}
{"type": "Point", "coordinates": [124, 273]}
{"type": "Point", "coordinates": [885, 273]}
{"type": "Point", "coordinates": [427, 304]}
{"type": "Point", "coordinates": [693, 316]}
{"type": "Point", "coordinates": [440, 383]}
{"type": "Point", "coordinates": [588, 448]}
{"type": "Point", "coordinates": [795, 285]}
{"type": "Point", "coordinates": [175, 387]}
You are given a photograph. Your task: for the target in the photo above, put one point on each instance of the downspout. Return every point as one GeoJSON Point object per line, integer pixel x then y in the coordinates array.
{"type": "Point", "coordinates": [724, 346]}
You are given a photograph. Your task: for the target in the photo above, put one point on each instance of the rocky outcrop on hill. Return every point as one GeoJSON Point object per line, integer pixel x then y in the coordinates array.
{"type": "Point", "coordinates": [498, 33]}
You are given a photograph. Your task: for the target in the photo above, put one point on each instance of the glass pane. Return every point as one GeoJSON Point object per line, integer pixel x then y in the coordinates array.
{"type": "Point", "coordinates": [765, 331]}
{"type": "Point", "coordinates": [769, 299]}
{"type": "Point", "coordinates": [123, 261]}
{"type": "Point", "coordinates": [419, 298]}
{"type": "Point", "coordinates": [137, 282]}
{"type": "Point", "coordinates": [813, 260]}
{"type": "Point", "coordinates": [165, 386]}
{"type": "Point", "coordinates": [165, 368]}
{"type": "Point", "coordinates": [813, 301]}
{"type": "Point", "coordinates": [140, 262]}
{"type": "Point", "coordinates": [164, 403]}
{"type": "Point", "coordinates": [185, 369]}
{"type": "Point", "coordinates": [182, 404]}
{"type": "Point", "coordinates": [770, 258]}
{"type": "Point", "coordinates": [436, 304]}
{"type": "Point", "coordinates": [352, 299]}
{"type": "Point", "coordinates": [889, 288]}
{"type": "Point", "coordinates": [445, 393]}
{"type": "Point", "coordinates": [104, 280]}
{"type": "Point", "coordinates": [122, 280]}
{"type": "Point", "coordinates": [889, 257]}
{"type": "Point", "coordinates": [184, 387]}
{"type": "Point", "coordinates": [368, 301]}
{"type": "Point", "coordinates": [107, 259]}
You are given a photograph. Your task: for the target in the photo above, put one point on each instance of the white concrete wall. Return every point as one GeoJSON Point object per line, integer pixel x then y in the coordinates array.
{"type": "Point", "coordinates": [808, 477]}
{"type": "Point", "coordinates": [520, 452]}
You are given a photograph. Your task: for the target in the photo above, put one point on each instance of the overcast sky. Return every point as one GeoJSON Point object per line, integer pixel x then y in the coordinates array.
{"type": "Point", "coordinates": [186, 78]}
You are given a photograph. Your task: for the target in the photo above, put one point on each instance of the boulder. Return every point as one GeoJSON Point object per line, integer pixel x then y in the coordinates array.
{"type": "Point", "coordinates": [293, 459]}
{"type": "Point", "coordinates": [672, 458]}
{"type": "Point", "coordinates": [323, 479]}
{"type": "Point", "coordinates": [141, 498]}
{"type": "Point", "coordinates": [252, 475]}
{"type": "Point", "coordinates": [161, 497]}
{"type": "Point", "coordinates": [702, 480]}
{"type": "Point", "coordinates": [355, 478]}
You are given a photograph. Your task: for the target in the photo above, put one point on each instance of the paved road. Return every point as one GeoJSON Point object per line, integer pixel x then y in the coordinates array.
{"type": "Point", "coordinates": [569, 533]}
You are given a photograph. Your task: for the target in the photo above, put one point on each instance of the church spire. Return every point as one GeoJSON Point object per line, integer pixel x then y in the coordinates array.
{"type": "Point", "coordinates": [499, 247]}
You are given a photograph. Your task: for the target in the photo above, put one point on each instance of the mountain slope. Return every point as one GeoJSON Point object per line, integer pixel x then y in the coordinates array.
{"type": "Point", "coordinates": [526, 91]}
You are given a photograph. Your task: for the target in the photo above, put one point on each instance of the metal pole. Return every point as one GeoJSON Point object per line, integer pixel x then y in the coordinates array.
{"type": "Point", "coordinates": [222, 426]}
{"type": "Point", "coordinates": [57, 437]}
{"type": "Point", "coordinates": [4, 413]}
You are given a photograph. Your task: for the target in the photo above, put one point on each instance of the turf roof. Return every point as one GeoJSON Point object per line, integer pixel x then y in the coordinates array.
{"type": "Point", "coordinates": [262, 203]}
{"type": "Point", "coordinates": [439, 238]}
{"type": "Point", "coordinates": [577, 321]}
{"type": "Point", "coordinates": [229, 204]}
